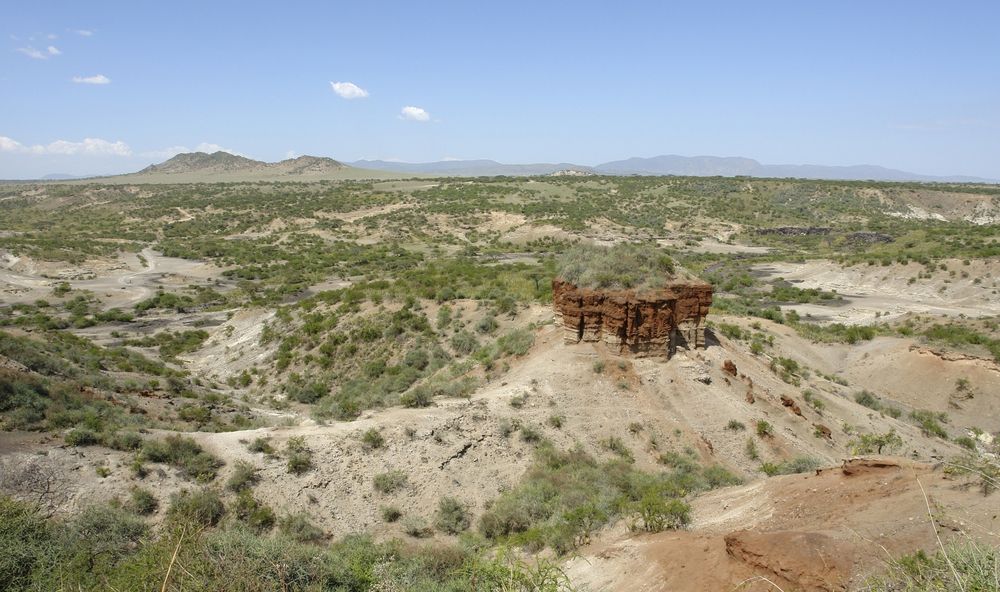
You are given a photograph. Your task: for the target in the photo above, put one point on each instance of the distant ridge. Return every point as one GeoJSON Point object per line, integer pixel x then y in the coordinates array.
{"type": "Point", "coordinates": [668, 164]}
{"type": "Point", "coordinates": [705, 166]}
{"type": "Point", "coordinates": [469, 168]}
{"type": "Point", "coordinates": [200, 167]}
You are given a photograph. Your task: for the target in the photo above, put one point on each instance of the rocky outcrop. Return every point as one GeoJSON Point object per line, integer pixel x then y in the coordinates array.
{"type": "Point", "coordinates": [647, 322]}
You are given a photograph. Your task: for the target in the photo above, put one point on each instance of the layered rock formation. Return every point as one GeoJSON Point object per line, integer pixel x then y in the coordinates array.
{"type": "Point", "coordinates": [647, 322]}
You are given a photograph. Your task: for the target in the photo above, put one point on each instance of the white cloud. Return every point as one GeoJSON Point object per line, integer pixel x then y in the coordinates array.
{"type": "Point", "coordinates": [210, 148]}
{"type": "Point", "coordinates": [87, 147]}
{"type": "Point", "coordinates": [84, 32]}
{"type": "Point", "coordinates": [99, 79]}
{"type": "Point", "coordinates": [291, 154]}
{"type": "Point", "coordinates": [10, 145]}
{"type": "Point", "coordinates": [172, 151]}
{"type": "Point", "coordinates": [348, 90]}
{"type": "Point", "coordinates": [38, 54]}
{"type": "Point", "coordinates": [414, 114]}
{"type": "Point", "coordinates": [33, 53]}
{"type": "Point", "coordinates": [165, 153]}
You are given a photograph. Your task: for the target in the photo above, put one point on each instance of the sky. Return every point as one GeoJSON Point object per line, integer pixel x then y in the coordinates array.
{"type": "Point", "coordinates": [109, 87]}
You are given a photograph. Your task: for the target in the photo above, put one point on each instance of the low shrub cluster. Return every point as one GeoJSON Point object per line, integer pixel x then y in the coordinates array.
{"type": "Point", "coordinates": [184, 454]}
{"type": "Point", "coordinates": [108, 548]}
{"type": "Point", "coordinates": [566, 496]}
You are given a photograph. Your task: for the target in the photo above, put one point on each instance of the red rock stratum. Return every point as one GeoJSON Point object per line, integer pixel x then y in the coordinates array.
{"type": "Point", "coordinates": [642, 322]}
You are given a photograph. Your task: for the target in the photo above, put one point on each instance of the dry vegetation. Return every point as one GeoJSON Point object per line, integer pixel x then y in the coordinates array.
{"type": "Point", "coordinates": [358, 381]}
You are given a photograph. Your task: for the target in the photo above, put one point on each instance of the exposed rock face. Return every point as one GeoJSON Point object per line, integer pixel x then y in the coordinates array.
{"type": "Point", "coordinates": [650, 322]}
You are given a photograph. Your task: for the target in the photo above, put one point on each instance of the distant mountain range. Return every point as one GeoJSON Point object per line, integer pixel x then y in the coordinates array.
{"type": "Point", "coordinates": [196, 167]}
{"type": "Point", "coordinates": [694, 166]}
{"type": "Point", "coordinates": [468, 168]}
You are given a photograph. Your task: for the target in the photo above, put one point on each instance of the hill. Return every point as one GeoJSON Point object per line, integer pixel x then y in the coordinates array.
{"type": "Point", "coordinates": [199, 167]}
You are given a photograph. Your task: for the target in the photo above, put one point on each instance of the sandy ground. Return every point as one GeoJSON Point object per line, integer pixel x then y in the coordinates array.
{"type": "Point", "coordinates": [121, 283]}
{"type": "Point", "coordinates": [875, 293]}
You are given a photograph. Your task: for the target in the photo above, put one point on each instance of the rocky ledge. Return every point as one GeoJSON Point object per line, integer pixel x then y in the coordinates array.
{"type": "Point", "coordinates": [648, 322]}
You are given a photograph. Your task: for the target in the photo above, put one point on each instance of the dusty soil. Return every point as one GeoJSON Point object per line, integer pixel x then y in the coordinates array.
{"type": "Point", "coordinates": [877, 293]}
{"type": "Point", "coordinates": [456, 447]}
{"type": "Point", "coordinates": [118, 283]}
{"type": "Point", "coordinates": [814, 532]}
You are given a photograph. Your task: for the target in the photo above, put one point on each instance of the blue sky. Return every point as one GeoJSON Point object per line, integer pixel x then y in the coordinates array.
{"type": "Point", "coordinates": [906, 84]}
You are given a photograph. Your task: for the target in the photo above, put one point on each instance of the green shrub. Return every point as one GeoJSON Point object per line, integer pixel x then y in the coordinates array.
{"type": "Point", "coordinates": [25, 538]}
{"type": "Point", "coordinates": [81, 437]}
{"type": "Point", "coordinates": [299, 463]}
{"type": "Point", "coordinates": [556, 421]}
{"type": "Point", "coordinates": [869, 400]}
{"type": "Point", "coordinates": [961, 565]}
{"type": "Point", "coordinates": [390, 481]}
{"type": "Point", "coordinates": [203, 507]}
{"type": "Point", "coordinates": [966, 442]}
{"type": "Point", "coordinates": [416, 527]}
{"type": "Point", "coordinates": [617, 446]}
{"type": "Point", "coordinates": [487, 324]}
{"type": "Point", "coordinates": [623, 265]}
{"type": "Point", "coordinates": [654, 513]}
{"type": "Point", "coordinates": [799, 464]}
{"type": "Point", "coordinates": [464, 343]}
{"type": "Point", "coordinates": [142, 501]}
{"type": "Point", "coordinates": [372, 439]}
{"type": "Point", "coordinates": [391, 513]}
{"type": "Point", "coordinates": [298, 527]}
{"type": "Point", "coordinates": [105, 532]}
{"type": "Point", "coordinates": [930, 422]}
{"type": "Point", "coordinates": [298, 454]}
{"type": "Point", "coordinates": [719, 476]}
{"type": "Point", "coordinates": [875, 443]}
{"type": "Point", "coordinates": [566, 495]}
{"type": "Point", "coordinates": [735, 426]}
{"type": "Point", "coordinates": [125, 441]}
{"type": "Point", "coordinates": [251, 512]}
{"type": "Point", "coordinates": [451, 517]}
{"type": "Point", "coordinates": [416, 397]}
{"type": "Point", "coordinates": [244, 476]}
{"type": "Point", "coordinates": [308, 393]}
{"type": "Point", "coordinates": [531, 434]}
{"type": "Point", "coordinates": [185, 454]}
{"type": "Point", "coordinates": [261, 445]}
{"type": "Point", "coordinates": [764, 429]}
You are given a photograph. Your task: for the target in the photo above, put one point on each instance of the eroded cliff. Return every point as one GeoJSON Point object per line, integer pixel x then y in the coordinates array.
{"type": "Point", "coordinates": [646, 322]}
